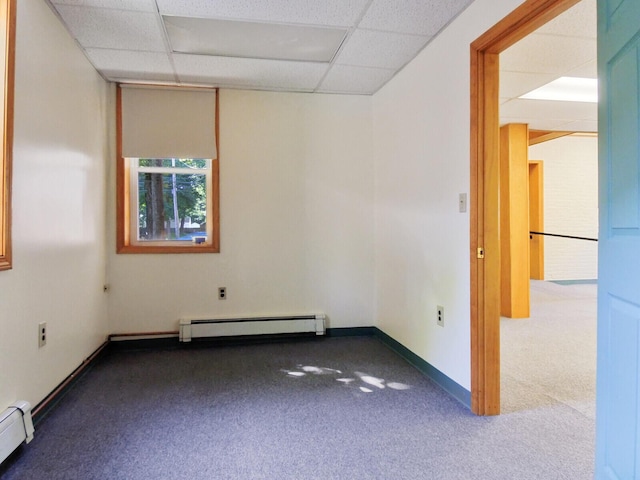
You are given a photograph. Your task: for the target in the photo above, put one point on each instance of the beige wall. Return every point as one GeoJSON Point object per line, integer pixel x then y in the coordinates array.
{"type": "Point", "coordinates": [570, 206]}
{"type": "Point", "coordinates": [296, 183]}
{"type": "Point", "coordinates": [421, 151]}
{"type": "Point", "coordinates": [60, 154]}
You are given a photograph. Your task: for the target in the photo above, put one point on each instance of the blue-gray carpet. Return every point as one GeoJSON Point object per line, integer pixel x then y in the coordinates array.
{"type": "Point", "coordinates": [335, 408]}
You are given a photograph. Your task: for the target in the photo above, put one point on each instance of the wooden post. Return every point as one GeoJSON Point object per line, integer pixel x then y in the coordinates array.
{"type": "Point", "coordinates": [514, 220]}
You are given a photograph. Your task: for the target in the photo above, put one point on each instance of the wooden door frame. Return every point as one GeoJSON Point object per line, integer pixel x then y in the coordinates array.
{"type": "Point", "coordinates": [485, 172]}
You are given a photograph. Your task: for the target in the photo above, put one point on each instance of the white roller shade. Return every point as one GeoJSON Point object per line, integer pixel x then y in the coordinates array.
{"type": "Point", "coordinates": [168, 122]}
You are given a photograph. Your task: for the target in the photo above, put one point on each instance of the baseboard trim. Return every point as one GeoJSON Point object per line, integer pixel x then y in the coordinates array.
{"type": "Point", "coordinates": [447, 384]}
{"type": "Point", "coordinates": [443, 381]}
{"type": "Point", "coordinates": [50, 401]}
{"type": "Point", "coordinates": [351, 332]}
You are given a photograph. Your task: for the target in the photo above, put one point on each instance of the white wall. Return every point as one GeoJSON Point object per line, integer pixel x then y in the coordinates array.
{"type": "Point", "coordinates": [570, 206]}
{"type": "Point", "coordinates": [296, 182]}
{"type": "Point", "coordinates": [421, 151]}
{"type": "Point", "coordinates": [60, 153]}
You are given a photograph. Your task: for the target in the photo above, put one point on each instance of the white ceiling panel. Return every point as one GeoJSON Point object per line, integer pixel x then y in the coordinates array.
{"type": "Point", "coordinates": [540, 109]}
{"type": "Point", "coordinates": [117, 62]}
{"type": "Point", "coordinates": [420, 17]}
{"type": "Point", "coordinates": [361, 80]}
{"type": "Point", "coordinates": [581, 126]}
{"type": "Point", "coordinates": [538, 124]}
{"type": "Point", "coordinates": [539, 53]}
{"type": "Point", "coordinates": [588, 70]}
{"type": "Point", "coordinates": [124, 76]}
{"type": "Point", "coordinates": [564, 47]}
{"type": "Point", "coordinates": [136, 5]}
{"type": "Point", "coordinates": [126, 40]}
{"type": "Point", "coordinates": [308, 12]}
{"type": "Point", "coordinates": [249, 73]}
{"type": "Point", "coordinates": [514, 84]}
{"type": "Point", "coordinates": [116, 29]}
{"type": "Point", "coordinates": [580, 22]}
{"type": "Point", "coordinates": [367, 48]}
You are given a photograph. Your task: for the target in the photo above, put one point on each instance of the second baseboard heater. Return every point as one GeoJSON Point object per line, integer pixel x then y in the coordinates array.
{"type": "Point", "coordinates": [244, 326]}
{"type": "Point", "coordinates": [16, 427]}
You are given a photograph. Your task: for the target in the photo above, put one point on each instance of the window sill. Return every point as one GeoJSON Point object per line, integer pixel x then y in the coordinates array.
{"type": "Point", "coordinates": [167, 249]}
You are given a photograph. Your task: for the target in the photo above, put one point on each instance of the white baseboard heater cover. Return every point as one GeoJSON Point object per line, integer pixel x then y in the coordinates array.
{"type": "Point", "coordinates": [16, 426]}
{"type": "Point", "coordinates": [240, 326]}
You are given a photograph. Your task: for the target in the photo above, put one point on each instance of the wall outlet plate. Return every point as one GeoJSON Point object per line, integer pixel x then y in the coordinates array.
{"type": "Point", "coordinates": [42, 334]}
{"type": "Point", "coordinates": [222, 293]}
{"type": "Point", "coordinates": [440, 318]}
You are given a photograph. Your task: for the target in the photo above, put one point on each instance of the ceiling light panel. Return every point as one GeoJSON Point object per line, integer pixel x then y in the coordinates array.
{"type": "Point", "coordinates": [117, 29]}
{"type": "Point", "coordinates": [203, 36]}
{"type": "Point", "coordinates": [367, 48]}
{"type": "Point", "coordinates": [420, 17]}
{"type": "Point", "coordinates": [308, 12]}
{"type": "Point", "coordinates": [249, 73]}
{"type": "Point", "coordinates": [136, 5]}
{"type": "Point", "coordinates": [566, 89]}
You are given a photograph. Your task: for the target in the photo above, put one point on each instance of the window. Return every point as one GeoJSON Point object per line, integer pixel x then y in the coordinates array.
{"type": "Point", "coordinates": [7, 52]}
{"type": "Point", "coordinates": [167, 196]}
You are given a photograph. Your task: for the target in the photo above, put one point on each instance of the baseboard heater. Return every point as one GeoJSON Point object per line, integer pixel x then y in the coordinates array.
{"type": "Point", "coordinates": [16, 426]}
{"type": "Point", "coordinates": [250, 326]}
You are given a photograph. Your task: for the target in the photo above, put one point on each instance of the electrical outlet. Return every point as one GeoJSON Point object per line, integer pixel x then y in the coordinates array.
{"type": "Point", "coordinates": [441, 315]}
{"type": "Point", "coordinates": [462, 202]}
{"type": "Point", "coordinates": [42, 334]}
{"type": "Point", "coordinates": [222, 293]}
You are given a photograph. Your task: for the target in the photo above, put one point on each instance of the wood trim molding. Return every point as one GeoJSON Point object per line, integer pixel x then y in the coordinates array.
{"type": "Point", "coordinates": [484, 208]}
{"type": "Point", "coordinates": [541, 136]}
{"type": "Point", "coordinates": [6, 162]}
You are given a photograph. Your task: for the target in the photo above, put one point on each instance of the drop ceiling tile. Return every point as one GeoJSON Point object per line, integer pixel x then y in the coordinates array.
{"type": "Point", "coordinates": [123, 76]}
{"type": "Point", "coordinates": [249, 73]}
{"type": "Point", "coordinates": [360, 80]}
{"type": "Point", "coordinates": [310, 12]}
{"type": "Point", "coordinates": [118, 62]}
{"type": "Point", "coordinates": [136, 5]}
{"type": "Point", "coordinates": [588, 70]}
{"type": "Point", "coordinates": [579, 21]}
{"type": "Point", "coordinates": [514, 84]}
{"type": "Point", "coordinates": [536, 124]}
{"type": "Point", "coordinates": [542, 109]}
{"type": "Point", "coordinates": [539, 53]}
{"type": "Point", "coordinates": [581, 126]}
{"type": "Point", "coordinates": [368, 48]}
{"type": "Point", "coordinates": [116, 29]}
{"type": "Point", "coordinates": [420, 17]}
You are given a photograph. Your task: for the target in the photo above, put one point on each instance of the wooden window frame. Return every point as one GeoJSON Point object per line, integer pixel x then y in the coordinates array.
{"type": "Point", "coordinates": [123, 204]}
{"type": "Point", "coordinates": [8, 14]}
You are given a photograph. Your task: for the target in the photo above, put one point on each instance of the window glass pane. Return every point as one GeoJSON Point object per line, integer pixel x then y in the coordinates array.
{"type": "Point", "coordinates": [171, 206]}
{"type": "Point", "coordinates": [174, 162]}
